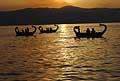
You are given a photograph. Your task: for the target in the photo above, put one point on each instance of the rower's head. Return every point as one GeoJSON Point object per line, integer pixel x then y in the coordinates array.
{"type": "Point", "coordinates": [16, 27]}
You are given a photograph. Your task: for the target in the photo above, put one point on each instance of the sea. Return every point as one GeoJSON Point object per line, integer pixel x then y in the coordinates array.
{"type": "Point", "coordinates": [60, 56]}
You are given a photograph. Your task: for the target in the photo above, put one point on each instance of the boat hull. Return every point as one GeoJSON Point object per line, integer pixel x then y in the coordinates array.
{"type": "Point", "coordinates": [18, 33]}
{"type": "Point", "coordinates": [24, 34]}
{"type": "Point", "coordinates": [90, 34]}
{"type": "Point", "coordinates": [50, 30]}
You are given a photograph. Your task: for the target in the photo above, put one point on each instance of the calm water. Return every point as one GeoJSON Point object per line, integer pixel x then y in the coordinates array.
{"type": "Point", "coordinates": [60, 57]}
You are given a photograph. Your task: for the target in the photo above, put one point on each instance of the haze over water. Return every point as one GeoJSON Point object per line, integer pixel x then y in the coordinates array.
{"type": "Point", "coordinates": [60, 57]}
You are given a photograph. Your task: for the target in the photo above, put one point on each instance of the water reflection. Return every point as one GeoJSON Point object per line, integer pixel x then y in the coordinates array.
{"type": "Point", "coordinates": [59, 57]}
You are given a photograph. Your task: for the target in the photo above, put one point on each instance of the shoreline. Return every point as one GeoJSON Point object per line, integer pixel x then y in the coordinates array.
{"type": "Point", "coordinates": [57, 23]}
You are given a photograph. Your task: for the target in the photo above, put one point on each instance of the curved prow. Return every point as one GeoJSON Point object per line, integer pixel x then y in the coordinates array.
{"type": "Point", "coordinates": [16, 29]}
{"type": "Point", "coordinates": [55, 24]}
{"type": "Point", "coordinates": [76, 29]}
{"type": "Point", "coordinates": [105, 27]}
{"type": "Point", "coordinates": [39, 27]}
{"type": "Point", "coordinates": [57, 27]}
{"type": "Point", "coordinates": [34, 29]}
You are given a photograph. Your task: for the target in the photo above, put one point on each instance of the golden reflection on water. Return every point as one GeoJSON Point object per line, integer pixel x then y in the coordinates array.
{"type": "Point", "coordinates": [63, 27]}
{"type": "Point", "coordinates": [59, 57]}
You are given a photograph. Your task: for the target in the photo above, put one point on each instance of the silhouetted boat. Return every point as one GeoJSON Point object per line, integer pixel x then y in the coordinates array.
{"type": "Point", "coordinates": [89, 35]}
{"type": "Point", "coordinates": [48, 30]}
{"type": "Point", "coordinates": [23, 33]}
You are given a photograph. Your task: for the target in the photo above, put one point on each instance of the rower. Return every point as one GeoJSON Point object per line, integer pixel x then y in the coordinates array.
{"type": "Point", "coordinates": [93, 30]}
{"type": "Point", "coordinates": [88, 30]}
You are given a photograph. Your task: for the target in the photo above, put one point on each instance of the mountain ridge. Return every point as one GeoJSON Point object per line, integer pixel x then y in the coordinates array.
{"type": "Point", "coordinates": [67, 14]}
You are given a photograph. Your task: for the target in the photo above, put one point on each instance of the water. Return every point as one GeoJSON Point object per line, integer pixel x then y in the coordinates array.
{"type": "Point", "coordinates": [60, 57]}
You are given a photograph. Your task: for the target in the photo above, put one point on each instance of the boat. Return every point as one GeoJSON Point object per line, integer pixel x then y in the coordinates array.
{"type": "Point", "coordinates": [23, 33]}
{"type": "Point", "coordinates": [90, 34]}
{"type": "Point", "coordinates": [48, 30]}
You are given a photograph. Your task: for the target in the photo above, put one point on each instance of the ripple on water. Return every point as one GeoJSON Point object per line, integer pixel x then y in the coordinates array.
{"type": "Point", "coordinates": [19, 80]}
{"type": "Point", "coordinates": [10, 74]}
{"type": "Point", "coordinates": [59, 57]}
{"type": "Point", "coordinates": [75, 47]}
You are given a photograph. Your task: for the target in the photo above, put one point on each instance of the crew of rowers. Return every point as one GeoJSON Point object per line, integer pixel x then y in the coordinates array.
{"type": "Point", "coordinates": [23, 31]}
{"type": "Point", "coordinates": [26, 30]}
{"type": "Point", "coordinates": [47, 29]}
{"type": "Point", "coordinates": [88, 30]}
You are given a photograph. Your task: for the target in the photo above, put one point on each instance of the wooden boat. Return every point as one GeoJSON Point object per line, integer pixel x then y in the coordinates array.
{"type": "Point", "coordinates": [89, 35]}
{"type": "Point", "coordinates": [48, 30]}
{"type": "Point", "coordinates": [23, 33]}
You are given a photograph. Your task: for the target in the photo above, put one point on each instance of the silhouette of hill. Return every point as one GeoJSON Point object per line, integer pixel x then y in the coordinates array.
{"type": "Point", "coordinates": [66, 14]}
{"type": "Point", "coordinates": [70, 7]}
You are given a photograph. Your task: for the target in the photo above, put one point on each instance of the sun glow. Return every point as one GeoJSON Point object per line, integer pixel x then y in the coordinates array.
{"type": "Point", "coordinates": [69, 1]}
{"type": "Point", "coordinates": [20, 4]}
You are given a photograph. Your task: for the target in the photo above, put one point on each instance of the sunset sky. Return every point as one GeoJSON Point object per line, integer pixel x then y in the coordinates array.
{"type": "Point", "coordinates": [20, 4]}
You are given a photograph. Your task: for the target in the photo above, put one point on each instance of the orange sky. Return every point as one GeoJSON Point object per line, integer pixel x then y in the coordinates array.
{"type": "Point", "coordinates": [19, 4]}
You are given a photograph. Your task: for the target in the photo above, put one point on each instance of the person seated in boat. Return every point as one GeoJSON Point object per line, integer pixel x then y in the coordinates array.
{"type": "Point", "coordinates": [23, 31]}
{"type": "Point", "coordinates": [27, 30]}
{"type": "Point", "coordinates": [78, 27]}
{"type": "Point", "coordinates": [93, 30]}
{"type": "Point", "coordinates": [41, 29]}
{"type": "Point", "coordinates": [17, 30]}
{"type": "Point", "coordinates": [47, 29]}
{"type": "Point", "coordinates": [88, 30]}
{"type": "Point", "coordinates": [50, 29]}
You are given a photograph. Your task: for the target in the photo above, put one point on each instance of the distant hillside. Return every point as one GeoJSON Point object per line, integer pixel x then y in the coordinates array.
{"type": "Point", "coordinates": [67, 14]}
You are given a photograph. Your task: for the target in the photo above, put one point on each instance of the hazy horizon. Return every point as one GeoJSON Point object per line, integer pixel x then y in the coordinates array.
{"type": "Point", "coordinates": [54, 8]}
{"type": "Point", "coordinates": [8, 5]}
